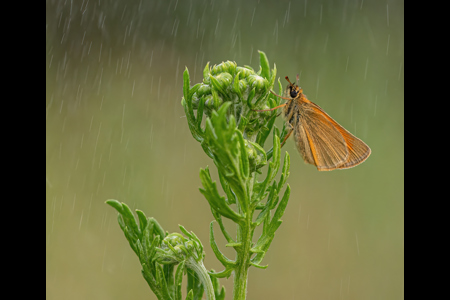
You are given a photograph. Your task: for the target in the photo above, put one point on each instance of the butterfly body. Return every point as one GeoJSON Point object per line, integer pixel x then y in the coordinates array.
{"type": "Point", "coordinates": [320, 140]}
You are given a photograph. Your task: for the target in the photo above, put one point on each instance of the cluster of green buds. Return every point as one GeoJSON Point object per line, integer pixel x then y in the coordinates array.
{"type": "Point", "coordinates": [175, 248]}
{"type": "Point", "coordinates": [245, 91]}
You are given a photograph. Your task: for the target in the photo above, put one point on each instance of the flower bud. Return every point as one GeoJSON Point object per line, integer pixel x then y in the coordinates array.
{"type": "Point", "coordinates": [176, 248]}
{"type": "Point", "coordinates": [225, 67]}
{"type": "Point", "coordinates": [245, 72]}
{"type": "Point", "coordinates": [258, 82]}
{"type": "Point", "coordinates": [256, 157]}
{"type": "Point", "coordinates": [222, 82]}
{"type": "Point", "coordinates": [204, 89]}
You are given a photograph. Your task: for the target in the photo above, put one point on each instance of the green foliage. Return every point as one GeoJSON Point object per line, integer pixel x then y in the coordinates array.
{"type": "Point", "coordinates": [221, 115]}
{"type": "Point", "coordinates": [234, 136]}
{"type": "Point", "coordinates": [159, 252]}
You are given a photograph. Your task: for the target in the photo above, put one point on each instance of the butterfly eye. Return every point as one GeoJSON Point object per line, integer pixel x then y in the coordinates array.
{"type": "Point", "coordinates": [294, 93]}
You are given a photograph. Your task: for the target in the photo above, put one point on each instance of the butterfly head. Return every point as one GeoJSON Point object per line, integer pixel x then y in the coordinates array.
{"type": "Point", "coordinates": [293, 90]}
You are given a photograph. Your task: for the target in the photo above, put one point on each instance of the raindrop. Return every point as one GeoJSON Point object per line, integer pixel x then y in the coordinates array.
{"type": "Point", "coordinates": [357, 244]}
{"type": "Point", "coordinates": [81, 220]}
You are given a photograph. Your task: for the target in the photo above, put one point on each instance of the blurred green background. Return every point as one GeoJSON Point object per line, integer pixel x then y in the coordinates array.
{"type": "Point", "coordinates": [115, 128]}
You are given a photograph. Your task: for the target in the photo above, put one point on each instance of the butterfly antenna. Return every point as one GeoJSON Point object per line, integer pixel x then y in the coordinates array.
{"type": "Point", "coordinates": [298, 79]}
{"type": "Point", "coordinates": [287, 78]}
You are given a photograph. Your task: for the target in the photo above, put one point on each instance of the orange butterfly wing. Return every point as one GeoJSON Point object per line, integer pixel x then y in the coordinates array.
{"type": "Point", "coordinates": [324, 143]}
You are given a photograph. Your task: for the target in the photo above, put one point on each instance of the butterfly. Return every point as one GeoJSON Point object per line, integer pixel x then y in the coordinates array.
{"type": "Point", "coordinates": [320, 140]}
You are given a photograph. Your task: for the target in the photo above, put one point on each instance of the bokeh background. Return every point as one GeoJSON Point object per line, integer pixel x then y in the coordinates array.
{"type": "Point", "coordinates": [115, 129]}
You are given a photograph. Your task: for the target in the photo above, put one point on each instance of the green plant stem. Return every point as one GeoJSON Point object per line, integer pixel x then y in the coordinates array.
{"type": "Point", "coordinates": [203, 276]}
{"type": "Point", "coordinates": [242, 259]}
{"type": "Point", "coordinates": [244, 236]}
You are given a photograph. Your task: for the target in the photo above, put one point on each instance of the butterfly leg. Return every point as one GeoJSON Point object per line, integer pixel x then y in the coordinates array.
{"type": "Point", "coordinates": [270, 109]}
{"type": "Point", "coordinates": [287, 135]}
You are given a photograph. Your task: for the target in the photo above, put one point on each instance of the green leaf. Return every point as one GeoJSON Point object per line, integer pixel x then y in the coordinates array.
{"type": "Point", "coordinates": [259, 266]}
{"type": "Point", "coordinates": [236, 87]}
{"type": "Point", "coordinates": [178, 280]}
{"type": "Point", "coordinates": [281, 207]}
{"type": "Point", "coordinates": [220, 256]}
{"type": "Point", "coordinates": [222, 274]}
{"type": "Point", "coordinates": [193, 90]}
{"type": "Point", "coordinates": [215, 200]}
{"type": "Point", "coordinates": [267, 207]}
{"type": "Point", "coordinates": [206, 72]}
{"type": "Point", "coordinates": [266, 238]}
{"type": "Point", "coordinates": [264, 133]}
{"type": "Point", "coordinates": [222, 227]}
{"type": "Point", "coordinates": [198, 135]}
{"type": "Point", "coordinates": [190, 295]}
{"type": "Point", "coordinates": [217, 100]}
{"type": "Point", "coordinates": [161, 281]}
{"type": "Point", "coordinates": [250, 97]}
{"type": "Point", "coordinates": [264, 62]}
{"type": "Point", "coordinates": [244, 158]}
{"type": "Point", "coordinates": [242, 123]}
{"type": "Point", "coordinates": [285, 171]}
{"type": "Point", "coordinates": [186, 87]}
{"type": "Point", "coordinates": [273, 76]}
{"type": "Point", "coordinates": [234, 245]}
{"type": "Point", "coordinates": [157, 227]}
{"type": "Point", "coordinates": [195, 285]}
{"type": "Point", "coordinates": [141, 252]}
{"type": "Point", "coordinates": [116, 204]}
{"type": "Point", "coordinates": [226, 187]}
{"type": "Point", "coordinates": [142, 219]}
{"type": "Point", "coordinates": [199, 119]}
{"type": "Point", "coordinates": [216, 285]}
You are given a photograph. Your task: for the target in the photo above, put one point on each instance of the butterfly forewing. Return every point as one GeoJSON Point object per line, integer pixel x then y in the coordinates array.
{"type": "Point", "coordinates": [323, 130]}
{"type": "Point", "coordinates": [319, 139]}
